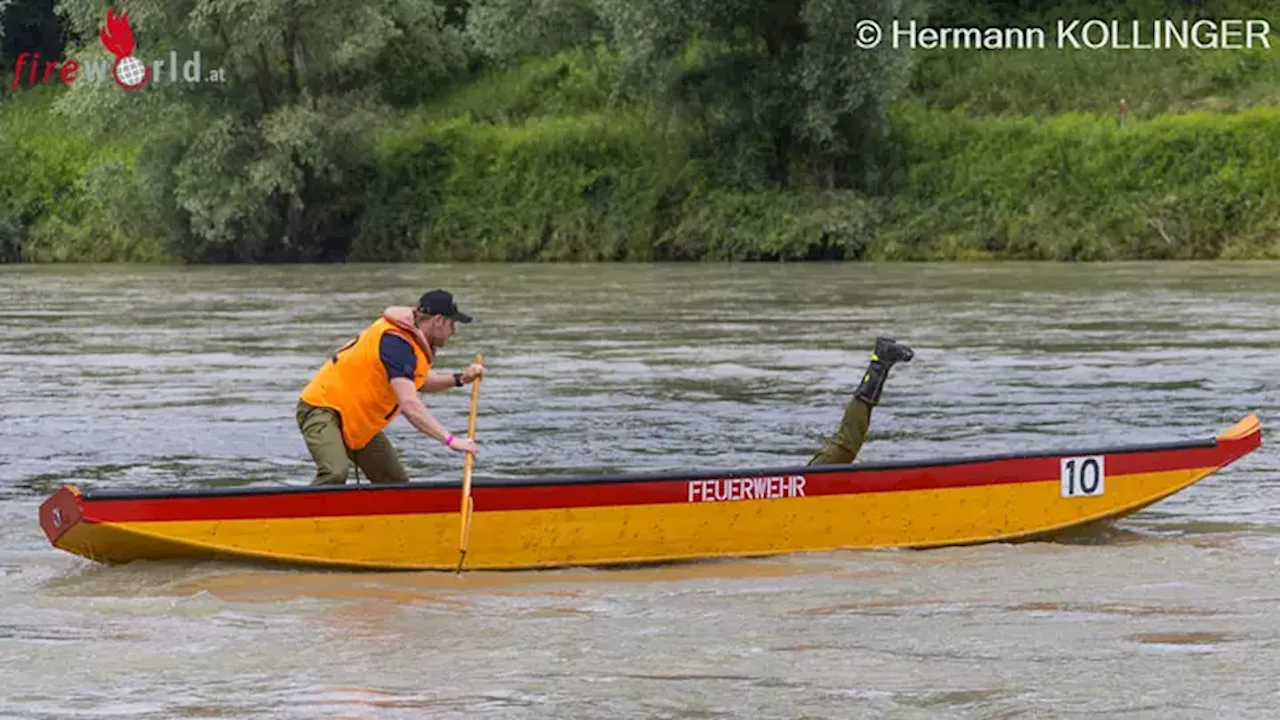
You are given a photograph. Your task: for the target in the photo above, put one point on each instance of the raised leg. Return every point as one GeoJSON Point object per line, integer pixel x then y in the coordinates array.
{"type": "Point", "coordinates": [842, 447]}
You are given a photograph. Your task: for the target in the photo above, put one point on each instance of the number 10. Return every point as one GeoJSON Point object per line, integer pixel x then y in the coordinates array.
{"type": "Point", "coordinates": [1082, 476]}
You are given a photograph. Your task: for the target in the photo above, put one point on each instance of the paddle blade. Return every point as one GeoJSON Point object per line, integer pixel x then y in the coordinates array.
{"type": "Point", "coordinates": [467, 512]}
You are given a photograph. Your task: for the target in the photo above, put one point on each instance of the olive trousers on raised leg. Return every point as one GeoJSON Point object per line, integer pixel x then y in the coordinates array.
{"type": "Point", "coordinates": [843, 446]}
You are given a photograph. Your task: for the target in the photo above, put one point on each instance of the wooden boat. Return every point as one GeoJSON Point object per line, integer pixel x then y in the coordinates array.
{"type": "Point", "coordinates": [630, 519]}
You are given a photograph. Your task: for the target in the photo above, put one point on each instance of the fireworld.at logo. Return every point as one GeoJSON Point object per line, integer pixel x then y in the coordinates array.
{"type": "Point", "coordinates": [128, 71]}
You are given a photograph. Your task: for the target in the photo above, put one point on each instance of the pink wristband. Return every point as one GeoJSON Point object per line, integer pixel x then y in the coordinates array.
{"type": "Point", "coordinates": [448, 441]}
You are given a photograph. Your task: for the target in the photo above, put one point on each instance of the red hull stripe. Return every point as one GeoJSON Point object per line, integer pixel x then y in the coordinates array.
{"type": "Point", "coordinates": [426, 500]}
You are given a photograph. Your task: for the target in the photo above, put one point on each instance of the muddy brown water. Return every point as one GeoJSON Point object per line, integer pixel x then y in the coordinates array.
{"type": "Point", "coordinates": [139, 377]}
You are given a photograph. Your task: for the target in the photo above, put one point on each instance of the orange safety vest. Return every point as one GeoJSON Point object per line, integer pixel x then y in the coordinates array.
{"type": "Point", "coordinates": [354, 383]}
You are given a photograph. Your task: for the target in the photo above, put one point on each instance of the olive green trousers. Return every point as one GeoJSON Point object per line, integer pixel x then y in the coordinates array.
{"type": "Point", "coordinates": [322, 431]}
{"type": "Point", "coordinates": [843, 447]}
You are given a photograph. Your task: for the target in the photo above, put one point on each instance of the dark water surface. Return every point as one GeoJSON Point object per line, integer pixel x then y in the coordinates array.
{"type": "Point", "coordinates": [117, 377]}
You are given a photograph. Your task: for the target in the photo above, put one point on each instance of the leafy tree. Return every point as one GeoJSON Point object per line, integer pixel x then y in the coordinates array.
{"type": "Point", "coordinates": [771, 81]}
{"type": "Point", "coordinates": [271, 162]}
{"type": "Point", "coordinates": [510, 30]}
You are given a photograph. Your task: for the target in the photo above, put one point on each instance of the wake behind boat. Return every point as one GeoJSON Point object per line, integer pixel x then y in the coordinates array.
{"type": "Point", "coordinates": [637, 518]}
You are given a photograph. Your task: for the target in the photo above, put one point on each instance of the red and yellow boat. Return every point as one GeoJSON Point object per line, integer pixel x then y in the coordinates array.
{"type": "Point", "coordinates": [630, 519]}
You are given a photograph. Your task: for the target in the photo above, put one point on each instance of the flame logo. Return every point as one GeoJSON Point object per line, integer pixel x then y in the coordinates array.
{"type": "Point", "coordinates": [129, 72]}
{"type": "Point", "coordinates": [116, 34]}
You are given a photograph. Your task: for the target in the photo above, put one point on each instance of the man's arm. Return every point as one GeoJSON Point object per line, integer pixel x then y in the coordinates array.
{"type": "Point", "coordinates": [436, 382]}
{"type": "Point", "coordinates": [398, 358]}
{"type": "Point", "coordinates": [416, 412]}
{"type": "Point", "coordinates": [413, 409]}
{"type": "Point", "coordinates": [400, 362]}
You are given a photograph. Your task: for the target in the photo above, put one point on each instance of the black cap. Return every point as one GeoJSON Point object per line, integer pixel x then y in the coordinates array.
{"type": "Point", "coordinates": [440, 302]}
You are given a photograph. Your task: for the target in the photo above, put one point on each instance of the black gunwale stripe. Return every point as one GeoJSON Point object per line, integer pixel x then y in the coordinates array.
{"type": "Point", "coordinates": [617, 478]}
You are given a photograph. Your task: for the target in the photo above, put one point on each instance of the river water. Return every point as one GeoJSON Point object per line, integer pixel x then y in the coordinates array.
{"type": "Point", "coordinates": [120, 377]}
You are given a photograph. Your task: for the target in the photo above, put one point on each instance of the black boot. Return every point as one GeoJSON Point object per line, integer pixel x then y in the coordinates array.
{"type": "Point", "coordinates": [887, 352]}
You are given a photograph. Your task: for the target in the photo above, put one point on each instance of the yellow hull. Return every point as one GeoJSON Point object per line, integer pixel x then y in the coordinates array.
{"type": "Point", "coordinates": [802, 509]}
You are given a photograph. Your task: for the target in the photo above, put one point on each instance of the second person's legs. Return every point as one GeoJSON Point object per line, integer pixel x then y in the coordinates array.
{"type": "Point", "coordinates": [842, 447]}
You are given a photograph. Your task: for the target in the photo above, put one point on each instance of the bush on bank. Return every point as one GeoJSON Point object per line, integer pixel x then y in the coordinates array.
{"type": "Point", "coordinates": [62, 198]}
{"type": "Point", "coordinates": [536, 164]}
{"type": "Point", "coordinates": [608, 187]}
{"type": "Point", "coordinates": [1076, 187]}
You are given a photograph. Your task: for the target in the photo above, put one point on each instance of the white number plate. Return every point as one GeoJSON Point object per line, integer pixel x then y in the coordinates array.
{"type": "Point", "coordinates": [1083, 476]}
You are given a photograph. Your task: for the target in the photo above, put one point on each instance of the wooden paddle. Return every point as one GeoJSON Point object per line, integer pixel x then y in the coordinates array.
{"type": "Point", "coordinates": [467, 505]}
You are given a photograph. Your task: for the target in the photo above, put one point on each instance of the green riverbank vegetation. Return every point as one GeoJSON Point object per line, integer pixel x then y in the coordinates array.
{"type": "Point", "coordinates": [616, 130]}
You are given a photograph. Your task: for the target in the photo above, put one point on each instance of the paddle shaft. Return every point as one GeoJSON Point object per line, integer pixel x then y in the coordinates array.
{"type": "Point", "coordinates": [467, 504]}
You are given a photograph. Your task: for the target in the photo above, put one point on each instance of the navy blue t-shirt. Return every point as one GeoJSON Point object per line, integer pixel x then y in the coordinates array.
{"type": "Point", "coordinates": [397, 356]}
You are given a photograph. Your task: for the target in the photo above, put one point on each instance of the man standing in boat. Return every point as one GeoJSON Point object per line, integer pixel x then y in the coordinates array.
{"type": "Point", "coordinates": [361, 388]}
{"type": "Point", "coordinates": [843, 447]}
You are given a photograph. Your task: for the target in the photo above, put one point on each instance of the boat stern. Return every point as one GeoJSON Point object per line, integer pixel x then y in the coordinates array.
{"type": "Point", "coordinates": [60, 512]}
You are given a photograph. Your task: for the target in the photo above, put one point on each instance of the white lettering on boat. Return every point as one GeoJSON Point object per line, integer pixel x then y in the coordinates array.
{"type": "Point", "coordinates": [746, 488]}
